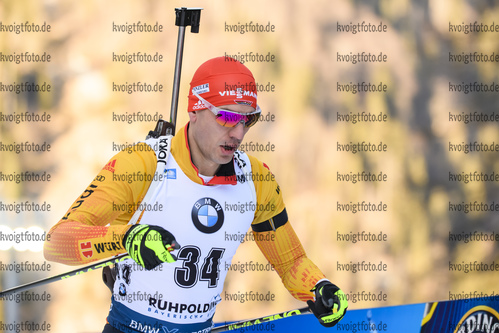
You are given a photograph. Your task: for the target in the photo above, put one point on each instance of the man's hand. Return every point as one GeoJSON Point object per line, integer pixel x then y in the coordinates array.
{"type": "Point", "coordinates": [330, 303]}
{"type": "Point", "coordinates": [150, 245]}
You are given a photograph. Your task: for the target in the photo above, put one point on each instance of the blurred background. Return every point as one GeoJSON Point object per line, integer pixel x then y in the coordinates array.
{"type": "Point", "coordinates": [306, 132]}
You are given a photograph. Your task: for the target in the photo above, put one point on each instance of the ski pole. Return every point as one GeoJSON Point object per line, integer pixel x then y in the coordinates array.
{"type": "Point", "coordinates": [66, 275]}
{"type": "Point", "coordinates": [260, 320]}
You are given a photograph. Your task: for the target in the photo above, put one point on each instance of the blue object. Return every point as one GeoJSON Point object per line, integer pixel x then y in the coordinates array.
{"type": "Point", "coordinates": [459, 316]}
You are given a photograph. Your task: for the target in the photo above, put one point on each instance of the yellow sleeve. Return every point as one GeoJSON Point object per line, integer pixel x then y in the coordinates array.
{"type": "Point", "coordinates": [94, 226]}
{"type": "Point", "coordinates": [276, 238]}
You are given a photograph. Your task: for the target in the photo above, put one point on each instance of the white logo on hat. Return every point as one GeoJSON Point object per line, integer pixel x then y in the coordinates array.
{"type": "Point", "coordinates": [201, 89]}
{"type": "Point", "coordinates": [239, 94]}
{"type": "Point", "coordinates": [198, 106]}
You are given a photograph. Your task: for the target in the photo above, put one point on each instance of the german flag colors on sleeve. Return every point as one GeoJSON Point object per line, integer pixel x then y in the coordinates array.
{"type": "Point", "coordinates": [283, 249]}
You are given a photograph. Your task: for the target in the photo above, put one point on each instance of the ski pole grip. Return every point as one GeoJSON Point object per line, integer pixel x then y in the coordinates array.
{"type": "Point", "coordinates": [188, 16]}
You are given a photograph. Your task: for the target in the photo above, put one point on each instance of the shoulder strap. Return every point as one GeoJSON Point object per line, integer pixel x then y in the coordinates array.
{"type": "Point", "coordinates": [243, 162]}
{"type": "Point", "coordinates": [161, 147]}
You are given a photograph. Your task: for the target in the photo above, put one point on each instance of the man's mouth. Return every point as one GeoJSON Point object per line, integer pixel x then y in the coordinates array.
{"type": "Point", "coordinates": [229, 148]}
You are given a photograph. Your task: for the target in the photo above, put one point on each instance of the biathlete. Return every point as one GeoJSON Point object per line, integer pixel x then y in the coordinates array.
{"type": "Point", "coordinates": [178, 249]}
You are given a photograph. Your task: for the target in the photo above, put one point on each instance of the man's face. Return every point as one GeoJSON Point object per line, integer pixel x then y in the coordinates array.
{"type": "Point", "coordinates": [211, 143]}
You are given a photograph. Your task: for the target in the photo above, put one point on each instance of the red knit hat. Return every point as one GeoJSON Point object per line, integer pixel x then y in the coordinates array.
{"type": "Point", "coordinates": [222, 81]}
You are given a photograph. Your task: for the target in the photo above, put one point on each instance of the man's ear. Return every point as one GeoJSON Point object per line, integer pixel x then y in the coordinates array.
{"type": "Point", "coordinates": [192, 116]}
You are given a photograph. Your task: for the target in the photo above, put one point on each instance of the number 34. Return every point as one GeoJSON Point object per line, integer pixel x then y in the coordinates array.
{"type": "Point", "coordinates": [187, 275]}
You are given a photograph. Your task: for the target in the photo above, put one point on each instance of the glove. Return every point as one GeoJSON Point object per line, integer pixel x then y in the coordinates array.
{"type": "Point", "coordinates": [150, 245]}
{"type": "Point", "coordinates": [330, 303]}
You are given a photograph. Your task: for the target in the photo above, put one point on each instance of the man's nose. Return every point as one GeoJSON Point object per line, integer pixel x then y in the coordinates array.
{"type": "Point", "coordinates": [238, 131]}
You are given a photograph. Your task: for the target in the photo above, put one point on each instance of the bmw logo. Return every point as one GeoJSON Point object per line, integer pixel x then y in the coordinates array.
{"type": "Point", "coordinates": [122, 290]}
{"type": "Point", "coordinates": [207, 215]}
